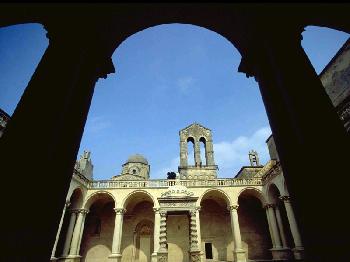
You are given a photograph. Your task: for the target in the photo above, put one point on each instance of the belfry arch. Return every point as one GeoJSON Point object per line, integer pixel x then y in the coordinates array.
{"type": "Point", "coordinates": [273, 57]}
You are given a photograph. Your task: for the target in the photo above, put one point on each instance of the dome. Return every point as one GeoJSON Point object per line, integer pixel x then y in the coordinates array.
{"type": "Point", "coordinates": [137, 158]}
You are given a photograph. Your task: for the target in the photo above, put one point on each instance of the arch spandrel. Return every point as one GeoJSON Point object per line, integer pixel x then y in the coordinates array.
{"type": "Point", "coordinates": [217, 191]}
{"type": "Point", "coordinates": [252, 191]}
{"type": "Point", "coordinates": [90, 199]}
{"type": "Point", "coordinates": [126, 200]}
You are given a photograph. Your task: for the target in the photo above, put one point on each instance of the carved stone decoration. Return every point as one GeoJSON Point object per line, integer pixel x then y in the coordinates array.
{"type": "Point", "coordinates": [177, 191]}
{"type": "Point", "coordinates": [119, 211]}
{"type": "Point", "coordinates": [162, 233]}
{"type": "Point", "coordinates": [195, 257]}
{"type": "Point", "coordinates": [285, 198]}
{"type": "Point", "coordinates": [193, 231]}
{"type": "Point", "coordinates": [163, 257]}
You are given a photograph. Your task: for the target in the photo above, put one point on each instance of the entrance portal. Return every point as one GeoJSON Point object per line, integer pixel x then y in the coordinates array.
{"type": "Point", "coordinates": [178, 238]}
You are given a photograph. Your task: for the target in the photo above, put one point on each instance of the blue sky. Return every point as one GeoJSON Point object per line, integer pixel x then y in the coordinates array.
{"type": "Point", "coordinates": [167, 77]}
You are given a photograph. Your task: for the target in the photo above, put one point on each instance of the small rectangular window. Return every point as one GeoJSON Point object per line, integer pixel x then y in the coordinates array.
{"type": "Point", "coordinates": [208, 251]}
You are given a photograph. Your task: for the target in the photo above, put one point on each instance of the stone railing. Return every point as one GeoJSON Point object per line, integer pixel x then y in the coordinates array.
{"type": "Point", "coordinates": [165, 183]}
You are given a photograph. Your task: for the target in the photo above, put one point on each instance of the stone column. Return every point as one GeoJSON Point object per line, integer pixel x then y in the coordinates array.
{"type": "Point", "coordinates": [81, 233]}
{"type": "Point", "coordinates": [197, 152]}
{"type": "Point", "coordinates": [238, 253]}
{"type": "Point", "coordinates": [278, 252]}
{"type": "Point", "coordinates": [156, 233]}
{"type": "Point", "coordinates": [117, 235]}
{"type": "Point", "coordinates": [198, 223]}
{"type": "Point", "coordinates": [273, 223]}
{"type": "Point", "coordinates": [59, 231]}
{"type": "Point", "coordinates": [194, 248]}
{"type": "Point", "coordinates": [77, 233]}
{"type": "Point", "coordinates": [299, 249]}
{"type": "Point", "coordinates": [60, 92]}
{"type": "Point", "coordinates": [280, 227]}
{"type": "Point", "coordinates": [67, 243]}
{"type": "Point", "coordinates": [163, 250]}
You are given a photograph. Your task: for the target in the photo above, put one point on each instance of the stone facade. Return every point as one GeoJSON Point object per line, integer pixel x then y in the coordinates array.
{"type": "Point", "coordinates": [335, 78]}
{"type": "Point", "coordinates": [191, 218]}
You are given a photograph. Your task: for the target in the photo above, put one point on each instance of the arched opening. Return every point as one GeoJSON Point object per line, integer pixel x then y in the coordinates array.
{"type": "Point", "coordinates": [281, 216]}
{"type": "Point", "coordinates": [215, 226]}
{"type": "Point", "coordinates": [180, 64]}
{"type": "Point", "coordinates": [256, 240]}
{"type": "Point", "coordinates": [138, 225]}
{"type": "Point", "coordinates": [75, 202]}
{"type": "Point", "coordinates": [144, 240]}
{"type": "Point", "coordinates": [203, 150]}
{"type": "Point", "coordinates": [190, 151]}
{"type": "Point", "coordinates": [97, 237]}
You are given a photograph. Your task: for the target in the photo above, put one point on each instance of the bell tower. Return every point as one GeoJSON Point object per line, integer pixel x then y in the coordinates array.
{"type": "Point", "coordinates": [205, 168]}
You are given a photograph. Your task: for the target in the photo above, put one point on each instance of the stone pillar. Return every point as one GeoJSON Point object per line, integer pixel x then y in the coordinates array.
{"type": "Point", "coordinates": [117, 235]}
{"type": "Point", "coordinates": [183, 152]}
{"type": "Point", "coordinates": [198, 223]}
{"type": "Point", "coordinates": [280, 226]}
{"type": "Point", "coordinates": [278, 252]}
{"type": "Point", "coordinates": [73, 253]}
{"type": "Point", "coordinates": [81, 233]}
{"type": "Point", "coordinates": [194, 248]}
{"type": "Point", "coordinates": [281, 66]}
{"type": "Point", "coordinates": [163, 250]}
{"type": "Point", "coordinates": [238, 253]}
{"type": "Point", "coordinates": [60, 92]}
{"type": "Point", "coordinates": [299, 249]}
{"type": "Point", "coordinates": [197, 153]}
{"type": "Point", "coordinates": [156, 233]}
{"type": "Point", "coordinates": [67, 243]}
{"type": "Point", "coordinates": [209, 152]}
{"type": "Point", "coordinates": [59, 231]}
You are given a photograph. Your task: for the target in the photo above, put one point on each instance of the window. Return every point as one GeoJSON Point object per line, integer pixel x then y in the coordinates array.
{"type": "Point", "coordinates": [208, 251]}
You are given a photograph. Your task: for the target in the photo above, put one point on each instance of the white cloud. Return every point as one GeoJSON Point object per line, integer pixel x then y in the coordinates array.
{"type": "Point", "coordinates": [96, 124]}
{"type": "Point", "coordinates": [230, 156]}
{"type": "Point", "coordinates": [185, 83]}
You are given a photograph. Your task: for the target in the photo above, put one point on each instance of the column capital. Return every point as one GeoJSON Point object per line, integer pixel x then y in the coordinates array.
{"type": "Point", "coordinates": [192, 212]}
{"type": "Point", "coordinates": [285, 198]}
{"type": "Point", "coordinates": [119, 211]}
{"type": "Point", "coordinates": [67, 204]}
{"type": "Point", "coordinates": [233, 207]}
{"type": "Point", "coordinates": [162, 213]}
{"type": "Point", "coordinates": [156, 209]}
{"type": "Point", "coordinates": [83, 211]}
{"type": "Point", "coordinates": [267, 206]}
{"type": "Point", "coordinates": [198, 208]}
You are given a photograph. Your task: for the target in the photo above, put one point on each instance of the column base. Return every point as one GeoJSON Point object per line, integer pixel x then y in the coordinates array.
{"type": "Point", "coordinates": [162, 256]}
{"type": "Point", "coordinates": [195, 255]}
{"type": "Point", "coordinates": [69, 258]}
{"type": "Point", "coordinates": [154, 257]}
{"type": "Point", "coordinates": [53, 259]}
{"type": "Point", "coordinates": [280, 253]}
{"type": "Point", "coordinates": [298, 253]}
{"type": "Point", "coordinates": [115, 257]}
{"type": "Point", "coordinates": [239, 255]}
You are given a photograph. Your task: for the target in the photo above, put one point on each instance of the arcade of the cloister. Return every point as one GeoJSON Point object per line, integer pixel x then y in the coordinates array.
{"type": "Point", "coordinates": [237, 219]}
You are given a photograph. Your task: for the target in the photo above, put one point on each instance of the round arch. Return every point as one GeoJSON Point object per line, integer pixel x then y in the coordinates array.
{"type": "Point", "coordinates": [96, 195]}
{"type": "Point", "coordinates": [76, 198]}
{"type": "Point", "coordinates": [253, 192]}
{"type": "Point", "coordinates": [132, 194]}
{"type": "Point", "coordinates": [272, 193]}
{"type": "Point", "coordinates": [222, 193]}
